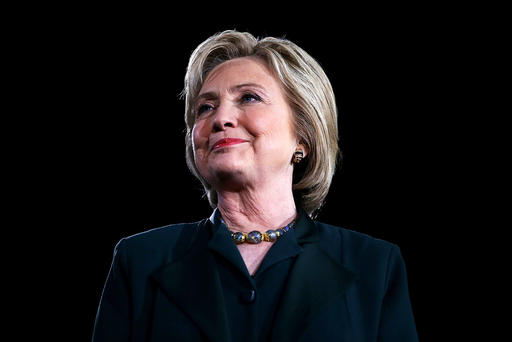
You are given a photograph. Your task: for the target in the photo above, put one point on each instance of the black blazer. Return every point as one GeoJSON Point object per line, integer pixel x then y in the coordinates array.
{"type": "Point", "coordinates": [163, 285]}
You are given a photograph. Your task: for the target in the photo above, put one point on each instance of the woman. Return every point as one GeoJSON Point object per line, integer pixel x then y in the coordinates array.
{"type": "Point", "coordinates": [262, 138]}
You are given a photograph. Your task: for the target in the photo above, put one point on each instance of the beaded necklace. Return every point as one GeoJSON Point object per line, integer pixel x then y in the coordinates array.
{"type": "Point", "coordinates": [256, 237]}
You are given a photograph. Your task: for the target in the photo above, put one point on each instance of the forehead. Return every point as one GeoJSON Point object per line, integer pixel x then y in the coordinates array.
{"type": "Point", "coordinates": [240, 70]}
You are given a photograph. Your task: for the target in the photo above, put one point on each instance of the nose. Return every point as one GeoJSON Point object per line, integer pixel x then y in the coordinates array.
{"type": "Point", "coordinates": [225, 116]}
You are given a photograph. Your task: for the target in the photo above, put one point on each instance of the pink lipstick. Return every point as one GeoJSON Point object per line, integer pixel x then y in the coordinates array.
{"type": "Point", "coordinates": [227, 142]}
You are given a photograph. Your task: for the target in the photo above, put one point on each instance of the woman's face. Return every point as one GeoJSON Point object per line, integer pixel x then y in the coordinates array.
{"type": "Point", "coordinates": [243, 133]}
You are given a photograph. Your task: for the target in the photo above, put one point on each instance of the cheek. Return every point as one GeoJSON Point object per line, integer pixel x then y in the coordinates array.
{"type": "Point", "coordinates": [274, 131]}
{"type": "Point", "coordinates": [260, 125]}
{"type": "Point", "coordinates": [199, 139]}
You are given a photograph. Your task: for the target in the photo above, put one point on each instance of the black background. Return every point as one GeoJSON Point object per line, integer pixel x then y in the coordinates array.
{"type": "Point", "coordinates": [113, 152]}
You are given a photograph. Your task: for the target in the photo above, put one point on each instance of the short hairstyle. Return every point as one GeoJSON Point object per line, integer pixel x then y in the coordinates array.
{"type": "Point", "coordinates": [307, 90]}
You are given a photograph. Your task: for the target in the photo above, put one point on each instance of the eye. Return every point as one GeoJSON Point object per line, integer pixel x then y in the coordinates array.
{"type": "Point", "coordinates": [203, 108]}
{"type": "Point", "coordinates": [250, 97]}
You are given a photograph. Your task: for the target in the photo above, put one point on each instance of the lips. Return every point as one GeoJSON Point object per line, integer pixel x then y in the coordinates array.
{"type": "Point", "coordinates": [227, 142]}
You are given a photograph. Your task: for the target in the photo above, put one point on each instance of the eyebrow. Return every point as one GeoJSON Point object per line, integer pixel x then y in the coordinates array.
{"type": "Point", "coordinates": [252, 85]}
{"type": "Point", "coordinates": [213, 95]}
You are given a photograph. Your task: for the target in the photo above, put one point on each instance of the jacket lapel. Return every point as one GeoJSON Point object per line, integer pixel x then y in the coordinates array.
{"type": "Point", "coordinates": [316, 279]}
{"type": "Point", "coordinates": [193, 284]}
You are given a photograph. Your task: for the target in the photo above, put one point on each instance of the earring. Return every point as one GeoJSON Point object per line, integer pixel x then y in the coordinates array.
{"type": "Point", "coordinates": [297, 156]}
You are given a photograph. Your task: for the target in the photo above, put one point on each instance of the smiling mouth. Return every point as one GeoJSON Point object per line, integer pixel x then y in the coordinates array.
{"type": "Point", "coordinates": [227, 142]}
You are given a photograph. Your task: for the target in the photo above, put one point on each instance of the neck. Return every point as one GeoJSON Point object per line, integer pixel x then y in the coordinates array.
{"type": "Point", "coordinates": [269, 207]}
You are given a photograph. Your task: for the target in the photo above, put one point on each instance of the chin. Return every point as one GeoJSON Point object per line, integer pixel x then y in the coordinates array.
{"type": "Point", "coordinates": [226, 161]}
{"type": "Point", "coordinates": [227, 169]}
{"type": "Point", "coordinates": [227, 172]}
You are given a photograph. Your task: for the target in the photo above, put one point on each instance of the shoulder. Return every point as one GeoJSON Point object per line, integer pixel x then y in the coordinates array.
{"type": "Point", "coordinates": [162, 234]}
{"type": "Point", "coordinates": [351, 239]}
{"type": "Point", "coordinates": [356, 250]}
{"type": "Point", "coordinates": [159, 243]}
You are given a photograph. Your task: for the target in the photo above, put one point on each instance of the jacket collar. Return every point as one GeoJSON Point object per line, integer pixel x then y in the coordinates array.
{"type": "Point", "coordinates": [193, 284]}
{"type": "Point", "coordinates": [305, 228]}
{"type": "Point", "coordinates": [222, 244]}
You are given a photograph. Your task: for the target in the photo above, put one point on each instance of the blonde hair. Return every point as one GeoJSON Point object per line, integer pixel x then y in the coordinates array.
{"type": "Point", "coordinates": [309, 94]}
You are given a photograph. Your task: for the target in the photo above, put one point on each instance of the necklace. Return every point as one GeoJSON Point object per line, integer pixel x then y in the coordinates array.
{"type": "Point", "coordinates": [256, 237]}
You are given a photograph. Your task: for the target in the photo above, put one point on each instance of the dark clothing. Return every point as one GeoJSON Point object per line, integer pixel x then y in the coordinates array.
{"type": "Point", "coordinates": [188, 282]}
{"type": "Point", "coordinates": [251, 301]}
